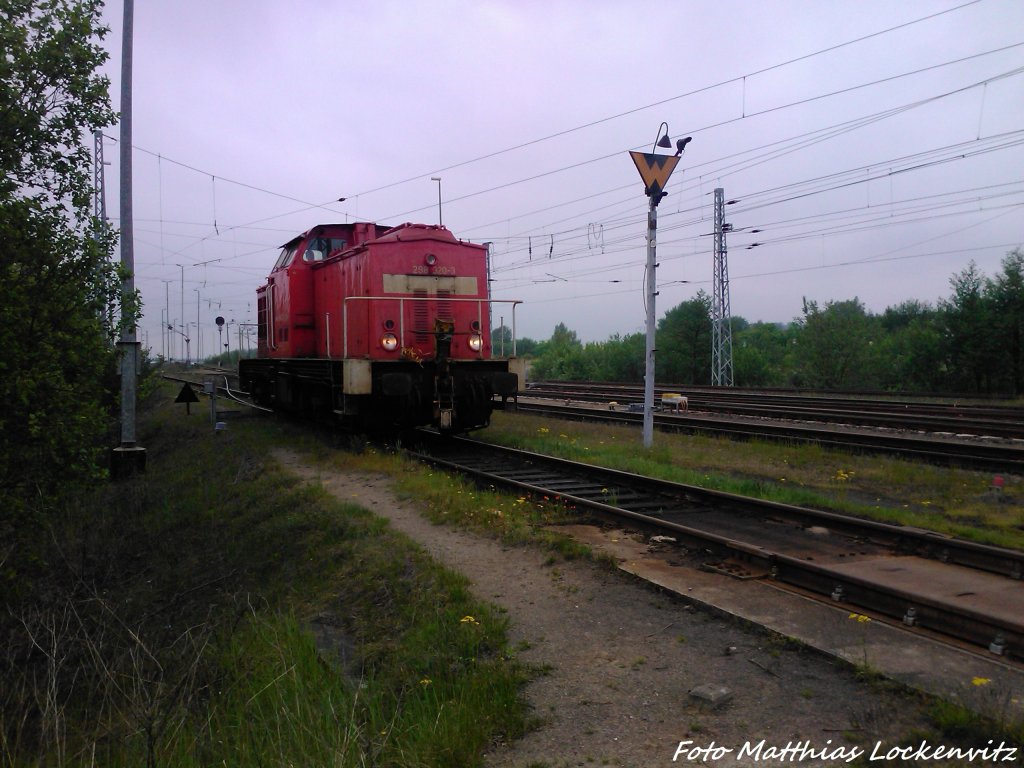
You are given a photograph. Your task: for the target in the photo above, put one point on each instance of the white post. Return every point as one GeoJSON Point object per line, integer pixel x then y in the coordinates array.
{"type": "Point", "coordinates": [651, 292]}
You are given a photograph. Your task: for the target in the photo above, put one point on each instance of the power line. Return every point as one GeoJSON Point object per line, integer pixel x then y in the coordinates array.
{"type": "Point", "coordinates": [835, 181]}
{"type": "Point", "coordinates": [722, 123]}
{"type": "Point", "coordinates": [883, 220]}
{"type": "Point", "coordinates": [566, 298]}
{"type": "Point", "coordinates": [575, 248]}
{"type": "Point", "coordinates": [310, 205]}
{"type": "Point", "coordinates": [662, 102]}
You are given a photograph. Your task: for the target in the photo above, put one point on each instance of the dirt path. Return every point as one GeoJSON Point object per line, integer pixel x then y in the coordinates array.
{"type": "Point", "coordinates": [626, 660]}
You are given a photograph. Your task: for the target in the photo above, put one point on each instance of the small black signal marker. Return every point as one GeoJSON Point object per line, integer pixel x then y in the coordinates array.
{"type": "Point", "coordinates": [187, 396]}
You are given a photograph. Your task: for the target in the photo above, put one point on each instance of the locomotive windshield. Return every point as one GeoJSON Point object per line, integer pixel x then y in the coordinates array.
{"type": "Point", "coordinates": [319, 247]}
{"type": "Point", "coordinates": [287, 253]}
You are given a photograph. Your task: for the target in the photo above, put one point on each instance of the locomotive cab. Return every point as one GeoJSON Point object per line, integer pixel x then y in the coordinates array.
{"type": "Point", "coordinates": [286, 304]}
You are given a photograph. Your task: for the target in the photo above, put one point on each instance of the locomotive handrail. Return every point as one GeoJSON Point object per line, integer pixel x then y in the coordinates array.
{"type": "Point", "coordinates": [401, 314]}
{"type": "Point", "coordinates": [327, 328]}
{"type": "Point", "coordinates": [271, 316]}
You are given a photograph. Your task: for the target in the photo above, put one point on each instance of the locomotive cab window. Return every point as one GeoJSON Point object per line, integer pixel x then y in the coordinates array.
{"type": "Point", "coordinates": [287, 254]}
{"type": "Point", "coordinates": [320, 248]}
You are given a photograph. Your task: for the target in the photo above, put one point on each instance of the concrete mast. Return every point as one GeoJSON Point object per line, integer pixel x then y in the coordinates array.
{"type": "Point", "coordinates": [128, 458]}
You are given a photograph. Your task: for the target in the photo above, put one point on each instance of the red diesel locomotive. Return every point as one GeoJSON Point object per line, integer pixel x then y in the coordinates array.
{"type": "Point", "coordinates": [385, 328]}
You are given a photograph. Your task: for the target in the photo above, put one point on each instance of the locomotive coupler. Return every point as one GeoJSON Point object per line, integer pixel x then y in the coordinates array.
{"type": "Point", "coordinates": [444, 385]}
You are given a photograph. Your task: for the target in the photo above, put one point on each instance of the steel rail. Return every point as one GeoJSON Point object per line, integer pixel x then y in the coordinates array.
{"type": "Point", "coordinates": [956, 419]}
{"type": "Point", "coordinates": [936, 404]}
{"type": "Point", "coordinates": [669, 508]}
{"type": "Point", "coordinates": [234, 395]}
{"type": "Point", "coordinates": [971, 455]}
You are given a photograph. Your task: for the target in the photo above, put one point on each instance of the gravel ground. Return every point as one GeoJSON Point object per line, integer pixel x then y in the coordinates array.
{"type": "Point", "coordinates": [626, 665]}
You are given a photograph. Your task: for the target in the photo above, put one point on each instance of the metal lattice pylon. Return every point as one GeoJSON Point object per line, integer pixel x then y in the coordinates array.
{"type": "Point", "coordinates": [721, 316]}
{"type": "Point", "coordinates": [99, 202]}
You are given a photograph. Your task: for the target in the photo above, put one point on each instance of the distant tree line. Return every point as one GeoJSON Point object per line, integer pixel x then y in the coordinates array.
{"type": "Point", "coordinates": [969, 343]}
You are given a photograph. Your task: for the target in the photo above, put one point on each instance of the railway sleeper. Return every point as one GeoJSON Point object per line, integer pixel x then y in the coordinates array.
{"type": "Point", "coordinates": [652, 508]}
{"type": "Point", "coordinates": [530, 478]}
{"type": "Point", "coordinates": [586, 490]}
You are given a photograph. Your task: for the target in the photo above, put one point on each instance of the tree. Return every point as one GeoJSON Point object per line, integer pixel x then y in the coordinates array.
{"type": "Point", "coordinates": [966, 317]}
{"type": "Point", "coordinates": [564, 338]}
{"type": "Point", "coordinates": [910, 353]}
{"type": "Point", "coordinates": [502, 333]}
{"type": "Point", "coordinates": [760, 354]}
{"type": "Point", "coordinates": [561, 357]}
{"type": "Point", "coordinates": [905, 314]}
{"type": "Point", "coordinates": [684, 343]}
{"type": "Point", "coordinates": [834, 346]}
{"type": "Point", "coordinates": [622, 358]}
{"type": "Point", "coordinates": [501, 340]}
{"type": "Point", "coordinates": [525, 347]}
{"type": "Point", "coordinates": [56, 352]}
{"type": "Point", "coordinates": [1007, 299]}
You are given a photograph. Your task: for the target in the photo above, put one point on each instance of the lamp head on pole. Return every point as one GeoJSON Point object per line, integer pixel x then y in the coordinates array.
{"type": "Point", "coordinates": [662, 141]}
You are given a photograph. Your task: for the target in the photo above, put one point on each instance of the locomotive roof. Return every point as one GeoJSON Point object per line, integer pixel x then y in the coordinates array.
{"type": "Point", "coordinates": [408, 231]}
{"type": "Point", "coordinates": [402, 233]}
{"type": "Point", "coordinates": [318, 227]}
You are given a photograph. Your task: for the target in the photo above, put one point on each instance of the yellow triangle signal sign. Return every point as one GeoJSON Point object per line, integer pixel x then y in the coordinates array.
{"type": "Point", "coordinates": [654, 170]}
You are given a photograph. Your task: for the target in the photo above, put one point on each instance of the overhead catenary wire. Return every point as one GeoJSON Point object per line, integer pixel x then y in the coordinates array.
{"type": "Point", "coordinates": [722, 123]}
{"type": "Point", "coordinates": [635, 217]}
{"type": "Point", "coordinates": [611, 244]}
{"type": "Point", "coordinates": [828, 182]}
{"type": "Point", "coordinates": [662, 102]}
{"type": "Point", "coordinates": [571, 241]}
{"type": "Point", "coordinates": [573, 166]}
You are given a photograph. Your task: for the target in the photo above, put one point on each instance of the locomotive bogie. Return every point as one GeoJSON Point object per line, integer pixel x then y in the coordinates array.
{"type": "Point", "coordinates": [369, 395]}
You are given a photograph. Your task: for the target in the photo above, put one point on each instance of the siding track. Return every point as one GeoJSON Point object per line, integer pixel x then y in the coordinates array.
{"type": "Point", "coordinates": [962, 591]}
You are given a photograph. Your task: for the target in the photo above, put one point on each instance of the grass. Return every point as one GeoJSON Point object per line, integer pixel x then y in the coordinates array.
{"type": "Point", "coordinates": [454, 500]}
{"type": "Point", "coordinates": [953, 501]}
{"type": "Point", "coordinates": [168, 620]}
{"type": "Point", "coordinates": [814, 477]}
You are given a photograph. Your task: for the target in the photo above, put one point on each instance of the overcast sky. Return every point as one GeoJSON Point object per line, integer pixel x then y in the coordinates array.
{"type": "Point", "coordinates": [878, 146]}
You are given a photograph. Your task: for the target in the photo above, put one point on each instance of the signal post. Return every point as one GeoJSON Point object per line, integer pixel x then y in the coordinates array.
{"type": "Point", "coordinates": [655, 171]}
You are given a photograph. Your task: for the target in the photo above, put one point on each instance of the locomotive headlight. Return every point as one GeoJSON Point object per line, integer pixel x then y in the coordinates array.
{"type": "Point", "coordinates": [430, 259]}
{"type": "Point", "coordinates": [476, 342]}
{"type": "Point", "coordinates": [389, 341]}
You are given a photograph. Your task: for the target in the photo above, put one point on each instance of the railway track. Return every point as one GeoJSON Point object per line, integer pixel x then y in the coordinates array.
{"type": "Point", "coordinates": [955, 589]}
{"type": "Point", "coordinates": [1005, 456]}
{"type": "Point", "coordinates": [986, 456]}
{"type": "Point", "coordinates": [918, 416]}
{"type": "Point", "coordinates": [199, 376]}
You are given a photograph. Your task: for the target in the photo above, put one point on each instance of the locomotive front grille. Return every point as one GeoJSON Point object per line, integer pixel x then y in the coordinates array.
{"type": "Point", "coordinates": [420, 314]}
{"type": "Point", "coordinates": [444, 306]}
